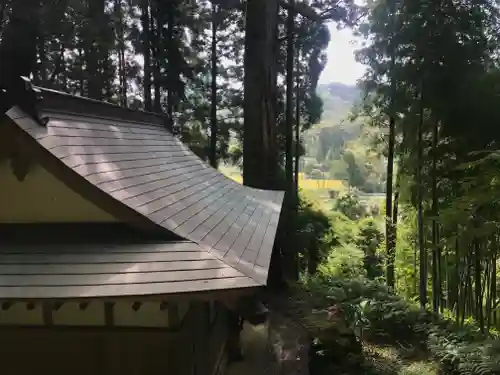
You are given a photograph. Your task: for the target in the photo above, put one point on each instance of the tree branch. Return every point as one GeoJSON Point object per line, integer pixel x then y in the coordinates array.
{"type": "Point", "coordinates": [300, 8]}
{"type": "Point", "coordinates": [304, 10]}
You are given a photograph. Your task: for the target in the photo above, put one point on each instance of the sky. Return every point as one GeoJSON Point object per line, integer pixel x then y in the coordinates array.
{"type": "Point", "coordinates": [342, 66]}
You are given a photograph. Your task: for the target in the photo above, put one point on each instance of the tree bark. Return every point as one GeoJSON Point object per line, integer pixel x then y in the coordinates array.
{"type": "Point", "coordinates": [436, 289]}
{"type": "Point", "coordinates": [421, 245]}
{"type": "Point", "coordinates": [155, 30]}
{"type": "Point", "coordinates": [395, 210]}
{"type": "Point", "coordinates": [122, 63]}
{"type": "Point", "coordinates": [170, 73]}
{"type": "Point", "coordinates": [493, 293]}
{"type": "Point", "coordinates": [478, 308]}
{"type": "Point", "coordinates": [297, 129]}
{"type": "Point", "coordinates": [290, 195]}
{"type": "Point", "coordinates": [389, 230]}
{"type": "Point", "coordinates": [260, 161]}
{"type": "Point", "coordinates": [289, 100]}
{"type": "Point", "coordinates": [42, 53]}
{"type": "Point", "coordinates": [146, 40]}
{"type": "Point", "coordinates": [95, 52]}
{"type": "Point", "coordinates": [213, 104]}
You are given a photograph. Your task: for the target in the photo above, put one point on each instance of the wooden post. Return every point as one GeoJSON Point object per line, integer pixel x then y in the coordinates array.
{"type": "Point", "coordinates": [176, 357]}
{"type": "Point", "coordinates": [47, 314]}
{"type": "Point", "coordinates": [200, 327]}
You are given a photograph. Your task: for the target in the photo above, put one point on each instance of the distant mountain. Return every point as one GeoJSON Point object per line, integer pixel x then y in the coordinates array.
{"type": "Point", "coordinates": [334, 129]}
{"type": "Point", "coordinates": [348, 93]}
{"type": "Point", "coordinates": [338, 100]}
{"type": "Point", "coordinates": [336, 141]}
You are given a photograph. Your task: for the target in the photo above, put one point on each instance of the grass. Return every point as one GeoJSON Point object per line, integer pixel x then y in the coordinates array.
{"type": "Point", "coordinates": [305, 183]}
{"type": "Point", "coordinates": [319, 197]}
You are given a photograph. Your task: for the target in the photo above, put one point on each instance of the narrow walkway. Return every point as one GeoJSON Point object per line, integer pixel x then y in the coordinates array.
{"type": "Point", "coordinates": [279, 347]}
{"type": "Point", "coordinates": [258, 359]}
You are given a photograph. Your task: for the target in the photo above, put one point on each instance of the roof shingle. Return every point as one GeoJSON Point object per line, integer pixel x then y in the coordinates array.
{"type": "Point", "coordinates": [148, 169]}
{"type": "Point", "coordinates": [104, 270]}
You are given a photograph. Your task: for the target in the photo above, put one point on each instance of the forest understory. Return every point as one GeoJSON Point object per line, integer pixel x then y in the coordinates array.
{"type": "Point", "coordinates": [356, 323]}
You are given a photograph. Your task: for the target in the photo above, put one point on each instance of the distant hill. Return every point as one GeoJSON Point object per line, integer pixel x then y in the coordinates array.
{"type": "Point", "coordinates": [338, 100]}
{"type": "Point", "coordinates": [340, 146]}
{"type": "Point", "coordinates": [348, 93]}
{"type": "Point", "coordinates": [334, 130]}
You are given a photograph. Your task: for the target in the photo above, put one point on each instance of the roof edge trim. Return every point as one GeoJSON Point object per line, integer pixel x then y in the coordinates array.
{"type": "Point", "coordinates": [60, 101]}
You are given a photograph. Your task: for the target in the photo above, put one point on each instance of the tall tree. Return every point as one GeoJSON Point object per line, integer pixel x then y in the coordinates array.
{"type": "Point", "coordinates": [119, 18]}
{"type": "Point", "coordinates": [290, 36]}
{"type": "Point", "coordinates": [146, 51]}
{"type": "Point", "coordinates": [213, 105]}
{"type": "Point", "coordinates": [260, 159]}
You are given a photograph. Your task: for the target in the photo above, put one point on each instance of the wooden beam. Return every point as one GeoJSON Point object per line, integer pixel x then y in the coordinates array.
{"type": "Point", "coordinates": [174, 297]}
{"type": "Point", "coordinates": [109, 319]}
{"type": "Point", "coordinates": [47, 314]}
{"type": "Point", "coordinates": [175, 352]}
{"type": "Point", "coordinates": [173, 315]}
{"type": "Point", "coordinates": [5, 146]}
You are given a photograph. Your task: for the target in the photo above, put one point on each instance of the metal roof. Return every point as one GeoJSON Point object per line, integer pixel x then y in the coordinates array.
{"type": "Point", "coordinates": [140, 171]}
{"type": "Point", "coordinates": [102, 270]}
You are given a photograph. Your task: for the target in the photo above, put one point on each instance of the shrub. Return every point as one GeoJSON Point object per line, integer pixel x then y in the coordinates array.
{"type": "Point", "coordinates": [344, 261]}
{"type": "Point", "coordinates": [375, 313]}
{"type": "Point", "coordinates": [344, 228]}
{"type": "Point", "coordinates": [369, 239]}
{"type": "Point", "coordinates": [314, 236]}
{"type": "Point", "coordinates": [350, 206]}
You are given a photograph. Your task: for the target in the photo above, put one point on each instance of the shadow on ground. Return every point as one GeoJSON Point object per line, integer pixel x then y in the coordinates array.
{"type": "Point", "coordinates": [258, 358]}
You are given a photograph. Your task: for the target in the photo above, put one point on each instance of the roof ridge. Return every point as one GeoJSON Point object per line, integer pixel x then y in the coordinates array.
{"type": "Point", "coordinates": [123, 122]}
{"type": "Point", "coordinates": [62, 101]}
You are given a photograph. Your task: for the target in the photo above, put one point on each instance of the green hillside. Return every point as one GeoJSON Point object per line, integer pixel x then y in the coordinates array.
{"type": "Point", "coordinates": [338, 100]}
{"type": "Point", "coordinates": [338, 148]}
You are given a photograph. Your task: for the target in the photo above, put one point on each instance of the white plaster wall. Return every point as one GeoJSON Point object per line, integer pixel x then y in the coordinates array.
{"type": "Point", "coordinates": [18, 314]}
{"type": "Point", "coordinates": [69, 314]}
{"type": "Point", "coordinates": [43, 198]}
{"type": "Point", "coordinates": [148, 315]}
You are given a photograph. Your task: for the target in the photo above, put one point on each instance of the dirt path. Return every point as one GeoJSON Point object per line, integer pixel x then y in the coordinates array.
{"type": "Point", "coordinates": [258, 358]}
{"type": "Point", "coordinates": [278, 347]}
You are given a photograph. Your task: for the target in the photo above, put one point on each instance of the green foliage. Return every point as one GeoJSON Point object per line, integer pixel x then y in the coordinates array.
{"type": "Point", "coordinates": [350, 206]}
{"type": "Point", "coordinates": [344, 261]}
{"type": "Point", "coordinates": [377, 315]}
{"type": "Point", "coordinates": [369, 240]}
{"type": "Point", "coordinates": [406, 272]}
{"type": "Point", "coordinates": [314, 235]}
{"type": "Point", "coordinates": [343, 227]}
{"type": "Point", "coordinates": [433, 71]}
{"type": "Point", "coordinates": [354, 171]}
{"type": "Point", "coordinates": [341, 146]}
{"type": "Point", "coordinates": [154, 55]}
{"type": "Point", "coordinates": [338, 170]}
